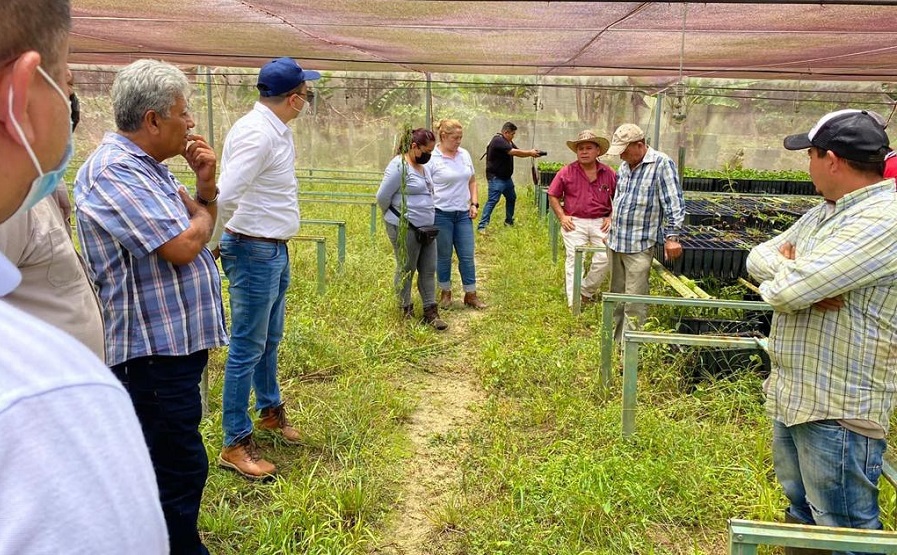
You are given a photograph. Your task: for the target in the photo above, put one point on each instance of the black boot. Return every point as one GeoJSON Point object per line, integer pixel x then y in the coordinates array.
{"type": "Point", "coordinates": [431, 317]}
{"type": "Point", "coordinates": [789, 519]}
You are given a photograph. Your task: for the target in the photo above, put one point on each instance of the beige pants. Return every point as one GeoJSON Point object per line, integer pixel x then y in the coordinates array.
{"type": "Point", "coordinates": [629, 275]}
{"type": "Point", "coordinates": [587, 232]}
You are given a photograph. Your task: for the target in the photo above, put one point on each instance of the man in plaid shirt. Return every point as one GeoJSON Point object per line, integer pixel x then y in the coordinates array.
{"type": "Point", "coordinates": [647, 210]}
{"type": "Point", "coordinates": [832, 279]}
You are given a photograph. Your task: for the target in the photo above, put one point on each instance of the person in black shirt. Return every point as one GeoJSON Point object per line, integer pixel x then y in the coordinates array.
{"type": "Point", "coordinates": [499, 169]}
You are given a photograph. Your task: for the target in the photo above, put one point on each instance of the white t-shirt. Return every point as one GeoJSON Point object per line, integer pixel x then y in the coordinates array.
{"type": "Point", "coordinates": [76, 475]}
{"type": "Point", "coordinates": [451, 180]}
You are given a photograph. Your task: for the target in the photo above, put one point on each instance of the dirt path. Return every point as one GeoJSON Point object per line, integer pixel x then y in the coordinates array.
{"type": "Point", "coordinates": [448, 391]}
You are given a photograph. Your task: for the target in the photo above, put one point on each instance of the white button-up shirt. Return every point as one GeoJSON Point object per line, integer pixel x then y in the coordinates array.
{"type": "Point", "coordinates": [258, 178]}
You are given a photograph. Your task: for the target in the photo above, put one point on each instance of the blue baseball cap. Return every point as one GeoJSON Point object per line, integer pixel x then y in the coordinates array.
{"type": "Point", "coordinates": [283, 75]}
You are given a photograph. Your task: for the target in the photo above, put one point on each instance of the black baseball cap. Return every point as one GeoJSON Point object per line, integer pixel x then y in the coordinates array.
{"type": "Point", "coordinates": [855, 135]}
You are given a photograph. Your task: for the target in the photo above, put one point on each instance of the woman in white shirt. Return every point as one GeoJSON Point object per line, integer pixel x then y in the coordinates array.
{"type": "Point", "coordinates": [455, 198]}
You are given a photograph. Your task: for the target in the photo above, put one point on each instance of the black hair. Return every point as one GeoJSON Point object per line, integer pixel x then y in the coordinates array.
{"type": "Point", "coordinates": [508, 126]}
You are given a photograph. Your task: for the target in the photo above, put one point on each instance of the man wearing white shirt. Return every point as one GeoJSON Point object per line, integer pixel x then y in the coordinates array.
{"type": "Point", "coordinates": [258, 212]}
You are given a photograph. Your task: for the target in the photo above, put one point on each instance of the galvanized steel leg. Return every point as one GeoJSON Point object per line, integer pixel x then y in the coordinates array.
{"type": "Point", "coordinates": [630, 371]}
{"type": "Point", "coordinates": [553, 225]}
{"type": "Point", "coordinates": [607, 341]}
{"type": "Point", "coordinates": [373, 219]}
{"type": "Point", "coordinates": [577, 282]}
{"type": "Point", "coordinates": [341, 244]}
{"type": "Point", "coordinates": [322, 266]}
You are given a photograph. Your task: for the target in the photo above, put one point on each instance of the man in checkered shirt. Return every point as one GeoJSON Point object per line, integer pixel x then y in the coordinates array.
{"type": "Point", "coordinates": [832, 280]}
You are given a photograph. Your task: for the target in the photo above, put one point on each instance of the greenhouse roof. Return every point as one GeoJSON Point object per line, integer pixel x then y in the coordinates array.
{"type": "Point", "coordinates": [792, 40]}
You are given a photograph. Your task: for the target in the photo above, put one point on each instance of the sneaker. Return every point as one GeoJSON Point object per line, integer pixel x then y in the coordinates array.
{"type": "Point", "coordinates": [274, 419]}
{"type": "Point", "coordinates": [481, 230]}
{"type": "Point", "coordinates": [243, 457]}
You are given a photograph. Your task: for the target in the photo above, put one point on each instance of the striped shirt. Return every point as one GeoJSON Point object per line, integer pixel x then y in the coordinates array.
{"type": "Point", "coordinates": [834, 364]}
{"type": "Point", "coordinates": [648, 204]}
{"type": "Point", "coordinates": [127, 207]}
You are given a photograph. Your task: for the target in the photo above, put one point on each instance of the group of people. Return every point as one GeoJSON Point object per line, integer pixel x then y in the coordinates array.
{"type": "Point", "coordinates": [103, 420]}
{"type": "Point", "coordinates": [100, 363]}
{"type": "Point", "coordinates": [622, 215]}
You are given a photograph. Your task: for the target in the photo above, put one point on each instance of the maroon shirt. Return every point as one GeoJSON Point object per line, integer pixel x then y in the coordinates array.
{"type": "Point", "coordinates": [584, 198]}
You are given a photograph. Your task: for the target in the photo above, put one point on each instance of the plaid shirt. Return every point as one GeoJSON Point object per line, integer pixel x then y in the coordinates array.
{"type": "Point", "coordinates": [127, 207]}
{"type": "Point", "coordinates": [648, 204]}
{"type": "Point", "coordinates": [838, 364]}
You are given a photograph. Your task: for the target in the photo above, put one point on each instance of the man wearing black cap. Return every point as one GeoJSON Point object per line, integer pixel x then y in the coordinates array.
{"type": "Point", "coordinates": [258, 212]}
{"type": "Point", "coordinates": [832, 280]}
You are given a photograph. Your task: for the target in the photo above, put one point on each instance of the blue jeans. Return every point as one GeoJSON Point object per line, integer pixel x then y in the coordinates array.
{"type": "Point", "coordinates": [497, 187]}
{"type": "Point", "coordinates": [259, 274]}
{"type": "Point", "coordinates": [165, 393]}
{"type": "Point", "coordinates": [829, 473]}
{"type": "Point", "coordinates": [455, 231]}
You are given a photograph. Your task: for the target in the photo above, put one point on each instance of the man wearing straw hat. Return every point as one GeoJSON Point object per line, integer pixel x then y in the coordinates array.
{"type": "Point", "coordinates": [587, 188]}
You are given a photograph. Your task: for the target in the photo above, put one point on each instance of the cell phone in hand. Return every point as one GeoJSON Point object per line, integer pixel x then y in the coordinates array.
{"type": "Point", "coordinates": [542, 153]}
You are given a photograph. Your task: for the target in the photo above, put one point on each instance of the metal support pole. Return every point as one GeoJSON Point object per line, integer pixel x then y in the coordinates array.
{"type": "Point", "coordinates": [210, 135]}
{"type": "Point", "coordinates": [630, 377]}
{"type": "Point", "coordinates": [607, 340]}
{"type": "Point", "coordinates": [429, 124]}
{"type": "Point", "coordinates": [658, 108]}
{"type": "Point", "coordinates": [553, 228]}
{"type": "Point", "coordinates": [341, 245]}
{"type": "Point", "coordinates": [373, 219]}
{"type": "Point", "coordinates": [577, 282]}
{"type": "Point", "coordinates": [322, 266]}
{"type": "Point", "coordinates": [610, 300]}
{"type": "Point", "coordinates": [340, 237]}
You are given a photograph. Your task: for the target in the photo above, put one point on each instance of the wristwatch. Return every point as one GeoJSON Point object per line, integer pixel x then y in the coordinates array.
{"type": "Point", "coordinates": [475, 204]}
{"type": "Point", "coordinates": [673, 238]}
{"type": "Point", "coordinates": [205, 202]}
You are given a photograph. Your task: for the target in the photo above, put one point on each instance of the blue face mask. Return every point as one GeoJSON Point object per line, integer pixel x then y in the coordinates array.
{"type": "Point", "coordinates": [45, 182]}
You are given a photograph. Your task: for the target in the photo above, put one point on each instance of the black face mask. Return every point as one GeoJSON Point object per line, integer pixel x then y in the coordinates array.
{"type": "Point", "coordinates": [76, 110]}
{"type": "Point", "coordinates": [423, 158]}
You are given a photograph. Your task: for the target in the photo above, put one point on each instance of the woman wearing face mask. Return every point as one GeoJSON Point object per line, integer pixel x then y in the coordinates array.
{"type": "Point", "coordinates": [406, 198]}
{"type": "Point", "coordinates": [455, 198]}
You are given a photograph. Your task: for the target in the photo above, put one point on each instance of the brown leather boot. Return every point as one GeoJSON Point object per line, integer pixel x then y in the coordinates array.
{"type": "Point", "coordinates": [471, 300]}
{"type": "Point", "coordinates": [274, 419]}
{"type": "Point", "coordinates": [445, 298]}
{"type": "Point", "coordinates": [243, 457]}
{"type": "Point", "coordinates": [431, 317]}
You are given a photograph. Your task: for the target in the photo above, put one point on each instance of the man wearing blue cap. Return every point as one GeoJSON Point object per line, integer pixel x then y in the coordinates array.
{"type": "Point", "coordinates": [258, 212]}
{"type": "Point", "coordinates": [832, 280]}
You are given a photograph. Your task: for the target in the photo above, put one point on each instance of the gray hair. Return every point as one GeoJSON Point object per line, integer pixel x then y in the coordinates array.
{"type": "Point", "coordinates": [143, 86]}
{"type": "Point", "coordinates": [40, 25]}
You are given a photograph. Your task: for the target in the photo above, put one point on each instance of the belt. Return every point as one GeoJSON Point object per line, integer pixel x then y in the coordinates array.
{"type": "Point", "coordinates": [245, 237]}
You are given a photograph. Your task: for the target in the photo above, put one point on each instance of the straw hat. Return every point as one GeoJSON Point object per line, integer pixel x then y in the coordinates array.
{"type": "Point", "coordinates": [588, 136]}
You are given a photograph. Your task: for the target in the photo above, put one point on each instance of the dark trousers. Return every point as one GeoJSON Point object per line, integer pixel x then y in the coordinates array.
{"type": "Point", "coordinates": [165, 393]}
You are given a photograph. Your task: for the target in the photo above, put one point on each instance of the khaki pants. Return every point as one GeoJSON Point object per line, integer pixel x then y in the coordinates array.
{"type": "Point", "coordinates": [629, 275]}
{"type": "Point", "coordinates": [586, 232]}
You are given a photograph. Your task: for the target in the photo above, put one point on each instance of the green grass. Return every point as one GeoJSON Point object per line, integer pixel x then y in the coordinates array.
{"type": "Point", "coordinates": [542, 469]}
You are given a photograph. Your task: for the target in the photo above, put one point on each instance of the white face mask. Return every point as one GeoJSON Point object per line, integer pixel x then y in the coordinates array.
{"type": "Point", "coordinates": [45, 182]}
